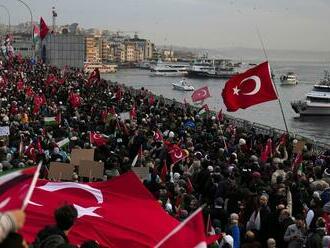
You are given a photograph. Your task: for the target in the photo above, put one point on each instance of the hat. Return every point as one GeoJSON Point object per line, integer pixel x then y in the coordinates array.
{"type": "Point", "coordinates": [229, 240]}
{"type": "Point", "coordinates": [210, 168]}
{"type": "Point", "coordinates": [242, 142]}
{"type": "Point", "coordinates": [176, 176]}
{"type": "Point", "coordinates": [168, 207]}
{"type": "Point", "coordinates": [277, 161]}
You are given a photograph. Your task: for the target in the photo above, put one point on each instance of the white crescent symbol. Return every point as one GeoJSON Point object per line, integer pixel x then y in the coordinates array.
{"type": "Point", "coordinates": [176, 154]}
{"type": "Point", "coordinates": [4, 202]}
{"type": "Point", "coordinates": [257, 87]}
{"type": "Point", "coordinates": [203, 93]}
{"type": "Point", "coordinates": [53, 186]}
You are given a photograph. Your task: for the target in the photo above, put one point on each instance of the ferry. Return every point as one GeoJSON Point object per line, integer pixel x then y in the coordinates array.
{"type": "Point", "coordinates": [169, 69]}
{"type": "Point", "coordinates": [289, 79]}
{"type": "Point", "coordinates": [103, 68]}
{"type": "Point", "coordinates": [317, 101]}
{"type": "Point", "coordinates": [201, 69]}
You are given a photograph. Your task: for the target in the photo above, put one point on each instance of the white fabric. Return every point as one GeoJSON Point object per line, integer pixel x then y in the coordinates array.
{"type": "Point", "coordinates": [309, 217]}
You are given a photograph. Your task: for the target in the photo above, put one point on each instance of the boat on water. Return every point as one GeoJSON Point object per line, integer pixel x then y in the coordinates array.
{"type": "Point", "coordinates": [201, 69]}
{"type": "Point", "coordinates": [183, 86]}
{"type": "Point", "coordinates": [317, 102]}
{"type": "Point", "coordinates": [289, 79]}
{"type": "Point", "coordinates": [103, 68]}
{"type": "Point", "coordinates": [169, 69]}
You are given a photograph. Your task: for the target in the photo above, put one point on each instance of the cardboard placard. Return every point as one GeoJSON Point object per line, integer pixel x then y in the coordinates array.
{"type": "Point", "coordinates": [91, 169]}
{"type": "Point", "coordinates": [124, 116]}
{"type": "Point", "coordinates": [299, 146]}
{"type": "Point", "coordinates": [141, 172]}
{"type": "Point", "coordinates": [4, 131]}
{"type": "Point", "coordinates": [60, 171]}
{"type": "Point", "coordinates": [81, 154]}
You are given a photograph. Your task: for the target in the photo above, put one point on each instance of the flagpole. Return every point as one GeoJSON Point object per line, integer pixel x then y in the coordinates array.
{"type": "Point", "coordinates": [278, 96]}
{"type": "Point", "coordinates": [32, 186]}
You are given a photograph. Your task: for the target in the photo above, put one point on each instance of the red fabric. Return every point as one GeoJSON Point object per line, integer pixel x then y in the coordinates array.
{"type": "Point", "coordinates": [249, 88]}
{"type": "Point", "coordinates": [151, 100]}
{"type": "Point", "coordinates": [190, 187]}
{"type": "Point", "coordinates": [297, 161]}
{"type": "Point", "coordinates": [125, 212]}
{"type": "Point", "coordinates": [74, 100]}
{"type": "Point", "coordinates": [43, 29]}
{"type": "Point", "coordinates": [119, 94]}
{"type": "Point", "coordinates": [220, 116]}
{"type": "Point", "coordinates": [200, 94]}
{"type": "Point", "coordinates": [163, 172]}
{"type": "Point", "coordinates": [97, 139]}
{"type": "Point", "coordinates": [283, 139]}
{"type": "Point", "coordinates": [29, 91]}
{"type": "Point", "coordinates": [158, 136]}
{"type": "Point", "coordinates": [20, 85]}
{"type": "Point", "coordinates": [14, 187]}
{"type": "Point", "coordinates": [38, 101]}
{"type": "Point", "coordinates": [94, 77]}
{"type": "Point", "coordinates": [267, 152]}
{"type": "Point", "coordinates": [176, 153]}
{"type": "Point", "coordinates": [132, 113]}
{"type": "Point", "coordinates": [191, 235]}
{"type": "Point", "coordinates": [30, 152]}
{"type": "Point", "coordinates": [51, 78]}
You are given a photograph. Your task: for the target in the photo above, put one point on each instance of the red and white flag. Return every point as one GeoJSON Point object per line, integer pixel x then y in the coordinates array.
{"type": "Point", "coordinates": [249, 88]}
{"type": "Point", "coordinates": [158, 136]}
{"type": "Point", "coordinates": [176, 153]}
{"type": "Point", "coordinates": [189, 234]}
{"type": "Point", "coordinates": [94, 77]}
{"type": "Point", "coordinates": [74, 100]}
{"type": "Point", "coordinates": [200, 94]}
{"type": "Point", "coordinates": [118, 213]}
{"type": "Point", "coordinates": [97, 139]}
{"type": "Point", "coordinates": [14, 188]}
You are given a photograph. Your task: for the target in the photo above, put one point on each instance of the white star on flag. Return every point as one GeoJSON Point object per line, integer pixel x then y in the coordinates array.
{"type": "Point", "coordinates": [236, 90]}
{"type": "Point", "coordinates": [86, 211]}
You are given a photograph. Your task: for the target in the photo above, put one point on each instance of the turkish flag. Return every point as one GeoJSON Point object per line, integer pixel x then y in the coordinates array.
{"type": "Point", "coordinates": [43, 29]}
{"type": "Point", "coordinates": [158, 136]}
{"type": "Point", "coordinates": [97, 139]}
{"type": "Point", "coordinates": [30, 152]}
{"type": "Point", "coordinates": [132, 112]}
{"type": "Point", "coordinates": [176, 153]}
{"type": "Point", "coordinates": [94, 77]}
{"type": "Point", "coordinates": [189, 234]}
{"type": "Point", "coordinates": [38, 101]}
{"type": "Point", "coordinates": [116, 213]}
{"type": "Point", "coordinates": [267, 151]}
{"type": "Point", "coordinates": [200, 94]}
{"type": "Point", "coordinates": [20, 85]}
{"type": "Point", "coordinates": [74, 100]}
{"type": "Point", "coordinates": [14, 187]}
{"type": "Point", "coordinates": [249, 88]}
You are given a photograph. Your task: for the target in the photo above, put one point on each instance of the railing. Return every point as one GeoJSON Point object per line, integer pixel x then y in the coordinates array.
{"type": "Point", "coordinates": [317, 146]}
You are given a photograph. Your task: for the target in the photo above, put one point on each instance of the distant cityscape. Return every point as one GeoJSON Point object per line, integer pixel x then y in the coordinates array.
{"type": "Point", "coordinates": [75, 46]}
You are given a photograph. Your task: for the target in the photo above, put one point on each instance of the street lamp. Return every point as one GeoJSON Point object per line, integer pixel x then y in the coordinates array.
{"type": "Point", "coordinates": [6, 9]}
{"type": "Point", "coordinates": [32, 43]}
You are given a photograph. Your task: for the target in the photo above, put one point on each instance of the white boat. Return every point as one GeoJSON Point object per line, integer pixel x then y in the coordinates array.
{"type": "Point", "coordinates": [103, 68]}
{"type": "Point", "coordinates": [317, 101]}
{"type": "Point", "coordinates": [289, 79]}
{"type": "Point", "coordinates": [169, 69]}
{"type": "Point", "coordinates": [183, 86]}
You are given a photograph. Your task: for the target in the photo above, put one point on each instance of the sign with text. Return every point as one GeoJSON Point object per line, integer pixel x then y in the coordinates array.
{"type": "Point", "coordinates": [141, 172]}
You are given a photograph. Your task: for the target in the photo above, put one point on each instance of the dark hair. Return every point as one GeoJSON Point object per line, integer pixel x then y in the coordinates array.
{"type": "Point", "coordinates": [13, 240]}
{"type": "Point", "coordinates": [90, 244]}
{"type": "Point", "coordinates": [299, 217]}
{"type": "Point", "coordinates": [65, 217]}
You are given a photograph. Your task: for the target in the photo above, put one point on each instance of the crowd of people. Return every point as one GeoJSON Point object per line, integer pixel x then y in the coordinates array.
{"type": "Point", "coordinates": [258, 191]}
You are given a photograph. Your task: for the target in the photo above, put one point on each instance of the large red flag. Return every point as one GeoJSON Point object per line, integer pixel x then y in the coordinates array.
{"type": "Point", "coordinates": [200, 94]}
{"type": "Point", "coordinates": [43, 29]}
{"type": "Point", "coordinates": [249, 88]}
{"type": "Point", "coordinates": [189, 234]}
{"type": "Point", "coordinates": [14, 187]}
{"type": "Point", "coordinates": [116, 213]}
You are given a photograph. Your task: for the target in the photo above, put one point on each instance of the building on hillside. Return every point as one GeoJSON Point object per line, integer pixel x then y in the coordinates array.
{"type": "Point", "coordinates": [65, 49]}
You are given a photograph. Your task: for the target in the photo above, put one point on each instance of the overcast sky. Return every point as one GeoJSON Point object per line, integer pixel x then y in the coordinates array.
{"type": "Point", "coordinates": [284, 24]}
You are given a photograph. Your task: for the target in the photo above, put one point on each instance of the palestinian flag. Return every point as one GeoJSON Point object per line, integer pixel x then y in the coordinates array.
{"type": "Point", "coordinates": [204, 110]}
{"type": "Point", "coordinates": [50, 121]}
{"type": "Point", "coordinates": [36, 33]}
